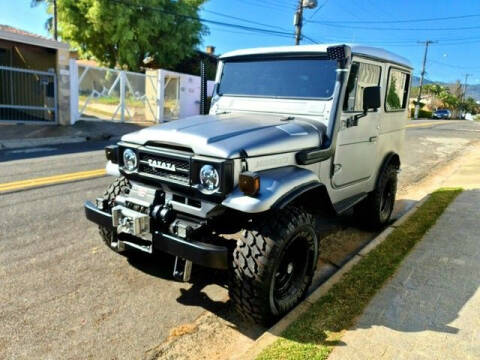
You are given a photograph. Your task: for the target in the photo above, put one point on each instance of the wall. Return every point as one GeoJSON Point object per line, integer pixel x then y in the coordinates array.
{"type": "Point", "coordinates": [190, 94]}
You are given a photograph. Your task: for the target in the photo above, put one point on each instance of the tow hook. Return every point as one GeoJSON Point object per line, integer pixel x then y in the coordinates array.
{"type": "Point", "coordinates": [182, 269]}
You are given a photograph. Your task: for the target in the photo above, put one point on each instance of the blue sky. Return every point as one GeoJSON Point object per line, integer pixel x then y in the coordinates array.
{"type": "Point", "coordinates": [456, 53]}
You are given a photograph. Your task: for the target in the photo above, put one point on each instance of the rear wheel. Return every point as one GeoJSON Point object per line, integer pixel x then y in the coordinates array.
{"type": "Point", "coordinates": [375, 211]}
{"type": "Point", "coordinates": [120, 186]}
{"type": "Point", "coordinates": [273, 265]}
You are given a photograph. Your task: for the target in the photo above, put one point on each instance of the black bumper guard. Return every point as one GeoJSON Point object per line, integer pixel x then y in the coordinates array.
{"type": "Point", "coordinates": [200, 253]}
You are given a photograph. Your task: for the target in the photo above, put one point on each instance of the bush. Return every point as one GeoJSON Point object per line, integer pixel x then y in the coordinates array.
{"type": "Point", "coordinates": [421, 114]}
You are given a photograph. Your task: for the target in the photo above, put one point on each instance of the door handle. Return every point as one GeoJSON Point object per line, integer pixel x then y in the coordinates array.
{"type": "Point", "coordinates": [373, 139]}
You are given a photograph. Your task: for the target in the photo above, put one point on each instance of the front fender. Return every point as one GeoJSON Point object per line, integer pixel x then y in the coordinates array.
{"type": "Point", "coordinates": [277, 188]}
{"type": "Point", "coordinates": [112, 169]}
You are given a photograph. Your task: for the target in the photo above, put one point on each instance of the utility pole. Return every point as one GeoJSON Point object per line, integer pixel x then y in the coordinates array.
{"type": "Point", "coordinates": [55, 29]}
{"type": "Point", "coordinates": [298, 21]}
{"type": "Point", "coordinates": [464, 95]}
{"type": "Point", "coordinates": [298, 18]}
{"type": "Point", "coordinates": [465, 86]}
{"type": "Point", "coordinates": [422, 75]}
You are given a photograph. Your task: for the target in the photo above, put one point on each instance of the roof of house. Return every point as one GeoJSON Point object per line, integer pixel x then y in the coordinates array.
{"type": "Point", "coordinates": [13, 34]}
{"type": "Point", "coordinates": [369, 51]}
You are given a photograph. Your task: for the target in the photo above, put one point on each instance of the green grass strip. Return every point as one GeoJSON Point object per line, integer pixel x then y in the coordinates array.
{"type": "Point", "coordinates": [316, 332]}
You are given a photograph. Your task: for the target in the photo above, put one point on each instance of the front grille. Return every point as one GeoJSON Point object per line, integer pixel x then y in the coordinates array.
{"type": "Point", "coordinates": [165, 167]}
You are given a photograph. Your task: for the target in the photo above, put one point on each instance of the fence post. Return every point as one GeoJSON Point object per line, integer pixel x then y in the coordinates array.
{"type": "Point", "coordinates": [161, 95]}
{"type": "Point", "coordinates": [74, 89]}
{"type": "Point", "coordinates": [122, 95]}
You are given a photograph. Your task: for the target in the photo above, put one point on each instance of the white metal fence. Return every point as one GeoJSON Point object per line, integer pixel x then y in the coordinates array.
{"type": "Point", "coordinates": [109, 94]}
{"type": "Point", "coordinates": [27, 96]}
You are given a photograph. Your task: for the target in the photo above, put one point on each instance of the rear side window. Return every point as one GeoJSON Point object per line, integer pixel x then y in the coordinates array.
{"type": "Point", "coordinates": [397, 90]}
{"type": "Point", "coordinates": [362, 75]}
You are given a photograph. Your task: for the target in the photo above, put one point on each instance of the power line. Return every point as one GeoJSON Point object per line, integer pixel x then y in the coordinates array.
{"type": "Point", "coordinates": [244, 20]}
{"type": "Point", "coordinates": [454, 66]}
{"type": "Point", "coordinates": [309, 38]}
{"type": "Point", "coordinates": [398, 21]}
{"type": "Point", "coordinates": [207, 21]}
{"type": "Point", "coordinates": [243, 32]}
{"type": "Point", "coordinates": [399, 29]}
{"type": "Point", "coordinates": [318, 9]}
{"type": "Point", "coordinates": [265, 5]}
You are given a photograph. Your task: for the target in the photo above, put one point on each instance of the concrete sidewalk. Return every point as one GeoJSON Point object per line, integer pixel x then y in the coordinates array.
{"type": "Point", "coordinates": [20, 136]}
{"type": "Point", "coordinates": [431, 307]}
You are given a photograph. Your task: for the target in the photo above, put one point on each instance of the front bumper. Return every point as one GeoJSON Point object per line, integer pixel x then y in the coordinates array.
{"type": "Point", "coordinates": [201, 253]}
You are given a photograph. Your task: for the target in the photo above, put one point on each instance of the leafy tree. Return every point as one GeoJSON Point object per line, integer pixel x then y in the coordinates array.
{"type": "Point", "coordinates": [449, 100]}
{"type": "Point", "coordinates": [125, 32]}
{"type": "Point", "coordinates": [471, 106]}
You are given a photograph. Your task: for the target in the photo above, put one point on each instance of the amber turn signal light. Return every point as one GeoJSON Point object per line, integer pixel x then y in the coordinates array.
{"type": "Point", "coordinates": [249, 183]}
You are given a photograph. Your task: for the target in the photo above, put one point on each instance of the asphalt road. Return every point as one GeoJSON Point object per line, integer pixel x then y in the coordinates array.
{"type": "Point", "coordinates": [65, 295]}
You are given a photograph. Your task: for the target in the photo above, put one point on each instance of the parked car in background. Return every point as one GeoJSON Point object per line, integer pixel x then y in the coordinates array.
{"type": "Point", "coordinates": [442, 114]}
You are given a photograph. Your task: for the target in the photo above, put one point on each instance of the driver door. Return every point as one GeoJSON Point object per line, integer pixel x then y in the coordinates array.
{"type": "Point", "coordinates": [356, 153]}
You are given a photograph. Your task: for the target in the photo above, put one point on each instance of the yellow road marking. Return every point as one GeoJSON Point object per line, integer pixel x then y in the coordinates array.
{"type": "Point", "coordinates": [430, 123]}
{"type": "Point", "coordinates": [23, 184]}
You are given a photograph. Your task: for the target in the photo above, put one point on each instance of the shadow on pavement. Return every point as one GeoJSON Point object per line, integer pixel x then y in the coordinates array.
{"type": "Point", "coordinates": [341, 237]}
{"type": "Point", "coordinates": [208, 289]}
{"type": "Point", "coordinates": [50, 150]}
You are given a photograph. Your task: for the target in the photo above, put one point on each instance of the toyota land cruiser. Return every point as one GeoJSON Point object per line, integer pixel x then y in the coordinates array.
{"type": "Point", "coordinates": [291, 130]}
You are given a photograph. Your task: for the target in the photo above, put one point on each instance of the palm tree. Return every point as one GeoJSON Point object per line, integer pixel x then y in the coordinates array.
{"type": "Point", "coordinates": [52, 20]}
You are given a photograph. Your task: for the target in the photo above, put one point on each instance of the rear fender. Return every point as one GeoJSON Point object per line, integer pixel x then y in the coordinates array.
{"type": "Point", "coordinates": [278, 187]}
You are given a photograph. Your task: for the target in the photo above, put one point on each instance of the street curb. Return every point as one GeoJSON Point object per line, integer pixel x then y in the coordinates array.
{"type": "Point", "coordinates": [274, 333]}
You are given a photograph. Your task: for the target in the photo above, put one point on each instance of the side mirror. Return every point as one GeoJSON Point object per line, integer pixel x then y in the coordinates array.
{"type": "Point", "coordinates": [371, 98]}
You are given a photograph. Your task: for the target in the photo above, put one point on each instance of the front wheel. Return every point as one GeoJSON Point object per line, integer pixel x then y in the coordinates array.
{"type": "Point", "coordinates": [273, 264]}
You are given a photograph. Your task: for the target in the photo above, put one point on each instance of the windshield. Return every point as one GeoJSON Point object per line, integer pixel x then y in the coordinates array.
{"type": "Point", "coordinates": [283, 78]}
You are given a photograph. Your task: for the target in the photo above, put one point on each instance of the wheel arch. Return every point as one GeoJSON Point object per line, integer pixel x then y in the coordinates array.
{"type": "Point", "coordinates": [313, 197]}
{"type": "Point", "coordinates": [392, 158]}
{"type": "Point", "coordinates": [278, 188]}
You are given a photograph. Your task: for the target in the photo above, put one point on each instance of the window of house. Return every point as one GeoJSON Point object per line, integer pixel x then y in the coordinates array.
{"type": "Point", "coordinates": [397, 90]}
{"type": "Point", "coordinates": [362, 75]}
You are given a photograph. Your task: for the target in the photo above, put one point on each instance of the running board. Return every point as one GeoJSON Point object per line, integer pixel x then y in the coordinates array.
{"type": "Point", "coordinates": [342, 206]}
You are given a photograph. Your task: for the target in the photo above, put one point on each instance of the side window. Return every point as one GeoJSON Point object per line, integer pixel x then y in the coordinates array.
{"type": "Point", "coordinates": [362, 75]}
{"type": "Point", "coordinates": [397, 90]}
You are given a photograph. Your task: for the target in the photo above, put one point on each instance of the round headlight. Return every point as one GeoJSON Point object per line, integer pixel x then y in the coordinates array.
{"type": "Point", "coordinates": [209, 177]}
{"type": "Point", "coordinates": [130, 160]}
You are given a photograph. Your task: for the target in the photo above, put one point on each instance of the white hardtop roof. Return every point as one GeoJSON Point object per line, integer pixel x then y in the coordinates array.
{"type": "Point", "coordinates": [322, 48]}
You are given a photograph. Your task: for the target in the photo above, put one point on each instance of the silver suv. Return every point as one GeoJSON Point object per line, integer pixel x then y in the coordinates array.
{"type": "Point", "coordinates": [291, 131]}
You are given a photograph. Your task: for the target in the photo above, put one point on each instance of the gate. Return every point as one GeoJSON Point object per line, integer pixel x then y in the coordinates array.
{"type": "Point", "coordinates": [98, 93]}
{"type": "Point", "coordinates": [111, 94]}
{"type": "Point", "coordinates": [27, 96]}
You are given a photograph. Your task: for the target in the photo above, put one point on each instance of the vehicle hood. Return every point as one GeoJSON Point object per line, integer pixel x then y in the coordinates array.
{"type": "Point", "coordinates": [229, 135]}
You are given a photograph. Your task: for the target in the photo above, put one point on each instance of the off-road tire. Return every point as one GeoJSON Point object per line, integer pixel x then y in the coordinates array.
{"type": "Point", "coordinates": [376, 209]}
{"type": "Point", "coordinates": [257, 257]}
{"type": "Point", "coordinates": [120, 186]}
